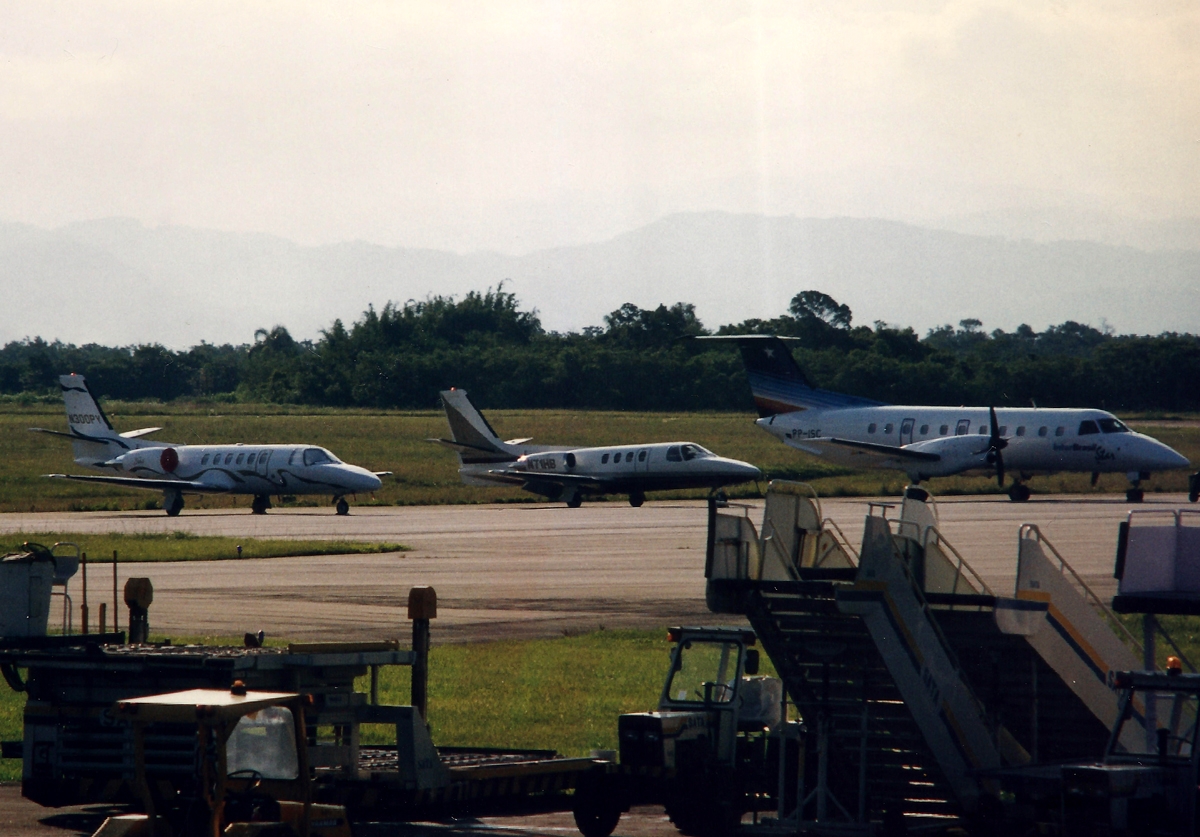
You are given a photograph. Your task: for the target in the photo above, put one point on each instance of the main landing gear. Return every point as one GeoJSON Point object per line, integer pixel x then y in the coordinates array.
{"type": "Point", "coordinates": [260, 504]}
{"type": "Point", "coordinates": [341, 506]}
{"type": "Point", "coordinates": [1018, 492]}
{"type": "Point", "coordinates": [636, 498]}
{"type": "Point", "coordinates": [1194, 487]}
{"type": "Point", "coordinates": [172, 503]}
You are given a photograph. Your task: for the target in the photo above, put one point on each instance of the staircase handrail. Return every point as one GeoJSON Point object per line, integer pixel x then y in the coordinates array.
{"type": "Point", "coordinates": [927, 611]}
{"type": "Point", "coordinates": [1031, 530]}
{"type": "Point", "coordinates": [829, 525]}
{"type": "Point", "coordinates": [943, 544]}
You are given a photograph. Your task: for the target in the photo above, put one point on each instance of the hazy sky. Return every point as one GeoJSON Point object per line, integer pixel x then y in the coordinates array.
{"type": "Point", "coordinates": [518, 125]}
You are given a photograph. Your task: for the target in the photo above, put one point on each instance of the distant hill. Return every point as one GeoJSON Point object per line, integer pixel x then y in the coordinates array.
{"type": "Point", "coordinates": [117, 282]}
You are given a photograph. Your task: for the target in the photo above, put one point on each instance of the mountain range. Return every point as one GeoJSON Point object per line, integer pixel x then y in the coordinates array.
{"type": "Point", "coordinates": [117, 282]}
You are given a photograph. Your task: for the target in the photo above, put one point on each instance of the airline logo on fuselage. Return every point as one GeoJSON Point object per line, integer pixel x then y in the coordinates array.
{"type": "Point", "coordinates": [1103, 454]}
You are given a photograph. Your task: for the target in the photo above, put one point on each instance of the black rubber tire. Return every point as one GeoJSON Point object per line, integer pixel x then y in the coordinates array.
{"type": "Point", "coordinates": [174, 508]}
{"type": "Point", "coordinates": [342, 507]}
{"type": "Point", "coordinates": [575, 502]}
{"type": "Point", "coordinates": [595, 819]}
{"type": "Point", "coordinates": [1018, 493]}
{"type": "Point", "coordinates": [636, 498]}
{"type": "Point", "coordinates": [1135, 495]}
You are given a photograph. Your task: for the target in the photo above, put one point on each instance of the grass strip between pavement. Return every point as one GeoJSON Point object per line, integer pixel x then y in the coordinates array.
{"type": "Point", "coordinates": [184, 546]}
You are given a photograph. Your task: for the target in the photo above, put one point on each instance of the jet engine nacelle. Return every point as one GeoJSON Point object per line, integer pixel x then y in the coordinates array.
{"type": "Point", "coordinates": [147, 460]}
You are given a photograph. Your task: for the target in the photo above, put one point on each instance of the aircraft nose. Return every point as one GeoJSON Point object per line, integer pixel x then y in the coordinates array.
{"type": "Point", "coordinates": [360, 479]}
{"type": "Point", "coordinates": [742, 471]}
{"type": "Point", "coordinates": [1165, 457]}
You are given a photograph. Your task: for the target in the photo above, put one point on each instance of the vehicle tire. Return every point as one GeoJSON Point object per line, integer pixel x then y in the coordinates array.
{"type": "Point", "coordinates": [342, 507]}
{"type": "Point", "coordinates": [1135, 495]}
{"type": "Point", "coordinates": [636, 498]}
{"type": "Point", "coordinates": [595, 818]}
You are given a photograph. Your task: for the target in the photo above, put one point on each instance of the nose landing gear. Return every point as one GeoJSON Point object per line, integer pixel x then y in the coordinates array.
{"type": "Point", "coordinates": [341, 506]}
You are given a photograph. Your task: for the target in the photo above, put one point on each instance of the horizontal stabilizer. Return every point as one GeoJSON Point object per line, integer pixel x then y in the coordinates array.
{"type": "Point", "coordinates": [475, 451]}
{"type": "Point", "coordinates": [145, 431]}
{"type": "Point", "coordinates": [189, 486]}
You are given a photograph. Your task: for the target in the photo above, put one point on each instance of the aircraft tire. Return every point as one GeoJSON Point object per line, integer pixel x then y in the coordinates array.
{"type": "Point", "coordinates": [174, 506]}
{"type": "Point", "coordinates": [1135, 495]}
{"type": "Point", "coordinates": [636, 498]}
{"type": "Point", "coordinates": [260, 504]}
{"type": "Point", "coordinates": [575, 502]}
{"type": "Point", "coordinates": [342, 507]}
{"type": "Point", "coordinates": [1018, 493]}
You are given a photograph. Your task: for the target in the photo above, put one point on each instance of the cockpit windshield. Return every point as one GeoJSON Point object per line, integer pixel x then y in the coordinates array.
{"type": "Point", "coordinates": [319, 456]}
{"type": "Point", "coordinates": [1112, 425]}
{"type": "Point", "coordinates": [704, 672]}
{"type": "Point", "coordinates": [691, 451]}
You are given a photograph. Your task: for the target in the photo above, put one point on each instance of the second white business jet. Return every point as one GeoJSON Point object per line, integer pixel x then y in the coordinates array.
{"type": "Point", "coordinates": [927, 442]}
{"type": "Point", "coordinates": [568, 473]}
{"type": "Point", "coordinates": [177, 469]}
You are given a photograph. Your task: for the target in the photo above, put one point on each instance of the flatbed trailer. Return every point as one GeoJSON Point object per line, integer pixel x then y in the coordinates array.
{"type": "Point", "coordinates": [76, 752]}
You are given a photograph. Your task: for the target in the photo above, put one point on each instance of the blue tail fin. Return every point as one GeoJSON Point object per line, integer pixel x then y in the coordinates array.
{"type": "Point", "coordinates": [777, 382]}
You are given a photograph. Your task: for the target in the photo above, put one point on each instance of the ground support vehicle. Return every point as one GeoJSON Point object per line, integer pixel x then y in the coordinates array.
{"type": "Point", "coordinates": [1147, 790]}
{"type": "Point", "coordinates": [717, 747]}
{"type": "Point", "coordinates": [251, 774]}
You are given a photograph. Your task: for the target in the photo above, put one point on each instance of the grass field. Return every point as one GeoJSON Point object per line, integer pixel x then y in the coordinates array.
{"type": "Point", "coordinates": [427, 474]}
{"type": "Point", "coordinates": [184, 546]}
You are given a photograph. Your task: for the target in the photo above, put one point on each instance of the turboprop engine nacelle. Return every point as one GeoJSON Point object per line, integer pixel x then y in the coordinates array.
{"type": "Point", "coordinates": [957, 453]}
{"type": "Point", "coordinates": [142, 460]}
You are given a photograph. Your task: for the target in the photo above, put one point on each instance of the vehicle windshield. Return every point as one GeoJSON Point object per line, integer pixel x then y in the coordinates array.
{"type": "Point", "coordinates": [691, 451]}
{"type": "Point", "coordinates": [263, 745]}
{"type": "Point", "coordinates": [704, 672]}
{"type": "Point", "coordinates": [319, 456]}
{"type": "Point", "coordinates": [1112, 425]}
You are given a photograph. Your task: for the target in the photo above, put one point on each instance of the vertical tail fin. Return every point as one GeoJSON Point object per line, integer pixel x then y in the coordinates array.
{"type": "Point", "coordinates": [93, 438]}
{"type": "Point", "coordinates": [778, 383]}
{"type": "Point", "coordinates": [472, 437]}
{"type": "Point", "coordinates": [84, 415]}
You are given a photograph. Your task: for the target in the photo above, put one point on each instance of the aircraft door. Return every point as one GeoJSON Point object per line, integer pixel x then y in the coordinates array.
{"type": "Point", "coordinates": [263, 458]}
{"type": "Point", "coordinates": [906, 431]}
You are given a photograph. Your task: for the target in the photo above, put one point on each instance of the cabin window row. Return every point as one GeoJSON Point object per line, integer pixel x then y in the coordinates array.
{"type": "Point", "coordinates": [616, 457]}
{"type": "Point", "coordinates": [1086, 428]}
{"type": "Point", "coordinates": [238, 459]}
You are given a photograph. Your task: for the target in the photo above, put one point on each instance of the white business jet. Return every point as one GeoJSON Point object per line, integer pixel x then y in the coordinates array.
{"type": "Point", "coordinates": [927, 442]}
{"type": "Point", "coordinates": [566, 474]}
{"type": "Point", "coordinates": [178, 469]}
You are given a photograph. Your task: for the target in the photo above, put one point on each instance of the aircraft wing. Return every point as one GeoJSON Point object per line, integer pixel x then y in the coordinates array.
{"type": "Point", "coordinates": [190, 486]}
{"type": "Point", "coordinates": [514, 477]}
{"type": "Point", "coordinates": [865, 454]}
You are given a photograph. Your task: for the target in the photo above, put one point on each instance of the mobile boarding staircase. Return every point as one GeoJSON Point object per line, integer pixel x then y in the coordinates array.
{"type": "Point", "coordinates": [914, 678]}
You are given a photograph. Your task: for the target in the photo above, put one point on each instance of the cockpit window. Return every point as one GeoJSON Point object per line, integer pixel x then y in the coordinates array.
{"type": "Point", "coordinates": [673, 454]}
{"type": "Point", "coordinates": [317, 456]}
{"type": "Point", "coordinates": [1112, 425]}
{"type": "Point", "coordinates": [690, 452]}
{"type": "Point", "coordinates": [1088, 428]}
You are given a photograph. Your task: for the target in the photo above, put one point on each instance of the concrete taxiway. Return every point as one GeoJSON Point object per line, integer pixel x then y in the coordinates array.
{"type": "Point", "coordinates": [524, 570]}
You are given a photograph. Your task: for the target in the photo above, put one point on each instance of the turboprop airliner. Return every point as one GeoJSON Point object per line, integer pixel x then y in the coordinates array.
{"type": "Point", "coordinates": [927, 442]}
{"type": "Point", "coordinates": [566, 474]}
{"type": "Point", "coordinates": [178, 469]}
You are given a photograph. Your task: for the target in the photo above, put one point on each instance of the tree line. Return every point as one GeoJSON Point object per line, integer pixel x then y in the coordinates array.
{"type": "Point", "coordinates": [402, 355]}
